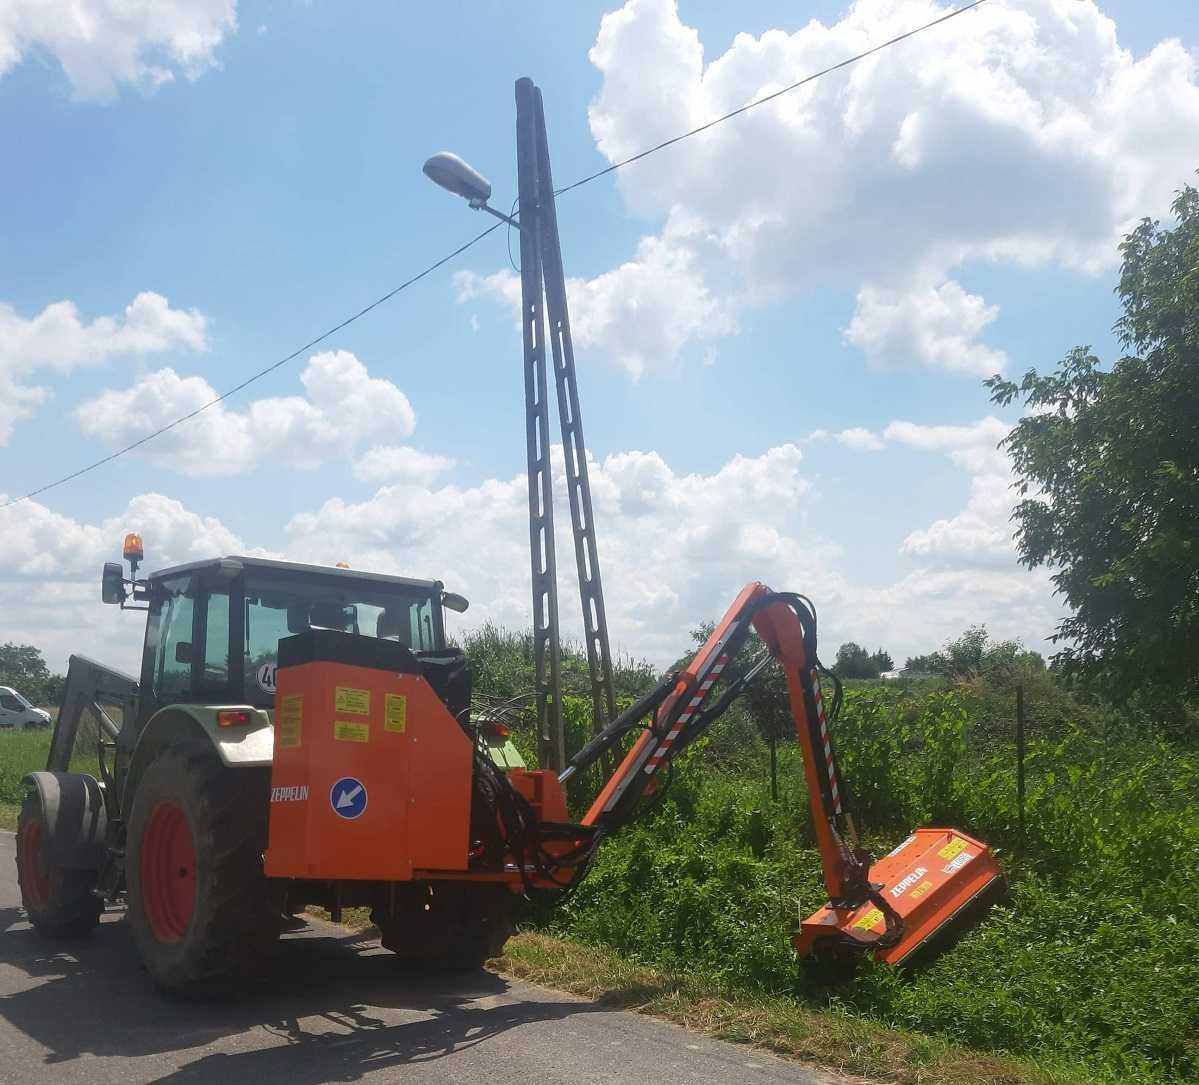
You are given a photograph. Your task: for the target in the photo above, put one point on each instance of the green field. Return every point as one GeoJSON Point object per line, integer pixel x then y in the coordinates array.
{"type": "Point", "coordinates": [22, 752]}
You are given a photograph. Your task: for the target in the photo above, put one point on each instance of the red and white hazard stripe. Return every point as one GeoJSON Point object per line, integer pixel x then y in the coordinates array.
{"type": "Point", "coordinates": [697, 699]}
{"type": "Point", "coordinates": [828, 746]}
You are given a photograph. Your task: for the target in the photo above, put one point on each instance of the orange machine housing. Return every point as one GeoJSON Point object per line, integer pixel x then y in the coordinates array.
{"type": "Point", "coordinates": [929, 879]}
{"type": "Point", "coordinates": [372, 775]}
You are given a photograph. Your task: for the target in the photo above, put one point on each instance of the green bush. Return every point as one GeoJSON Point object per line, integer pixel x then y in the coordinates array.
{"type": "Point", "coordinates": [1093, 961]}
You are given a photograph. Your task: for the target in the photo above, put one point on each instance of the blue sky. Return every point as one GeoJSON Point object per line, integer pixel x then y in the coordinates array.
{"type": "Point", "coordinates": [781, 328]}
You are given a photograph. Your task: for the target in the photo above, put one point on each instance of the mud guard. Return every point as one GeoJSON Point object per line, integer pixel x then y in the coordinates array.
{"type": "Point", "coordinates": [76, 817]}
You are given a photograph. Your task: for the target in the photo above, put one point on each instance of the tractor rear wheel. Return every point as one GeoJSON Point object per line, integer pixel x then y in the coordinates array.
{"type": "Point", "coordinates": [446, 926]}
{"type": "Point", "coordinates": [57, 899]}
{"type": "Point", "coordinates": [201, 909]}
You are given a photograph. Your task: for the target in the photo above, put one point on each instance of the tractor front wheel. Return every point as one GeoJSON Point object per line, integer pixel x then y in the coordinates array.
{"type": "Point", "coordinates": [200, 906]}
{"type": "Point", "coordinates": [58, 900]}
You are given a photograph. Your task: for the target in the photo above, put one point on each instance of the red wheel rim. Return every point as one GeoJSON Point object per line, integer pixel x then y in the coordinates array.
{"type": "Point", "coordinates": [35, 879]}
{"type": "Point", "coordinates": [168, 873]}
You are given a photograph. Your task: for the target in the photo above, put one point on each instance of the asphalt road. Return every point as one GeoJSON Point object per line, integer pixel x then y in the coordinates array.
{"type": "Point", "coordinates": [337, 1010]}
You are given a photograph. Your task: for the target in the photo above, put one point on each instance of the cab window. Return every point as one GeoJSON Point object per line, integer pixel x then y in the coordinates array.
{"type": "Point", "coordinates": [173, 679]}
{"type": "Point", "coordinates": [189, 624]}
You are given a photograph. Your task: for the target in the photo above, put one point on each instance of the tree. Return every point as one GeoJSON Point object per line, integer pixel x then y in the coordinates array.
{"type": "Point", "coordinates": [975, 653]}
{"type": "Point", "coordinates": [853, 661]}
{"type": "Point", "coordinates": [1108, 466]}
{"type": "Point", "coordinates": [925, 664]}
{"type": "Point", "coordinates": [23, 667]}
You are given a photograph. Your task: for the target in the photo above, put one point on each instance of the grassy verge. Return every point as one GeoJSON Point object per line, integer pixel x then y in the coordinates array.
{"type": "Point", "coordinates": [838, 1041]}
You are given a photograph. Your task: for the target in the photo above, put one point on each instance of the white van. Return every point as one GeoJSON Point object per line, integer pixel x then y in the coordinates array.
{"type": "Point", "coordinates": [15, 711]}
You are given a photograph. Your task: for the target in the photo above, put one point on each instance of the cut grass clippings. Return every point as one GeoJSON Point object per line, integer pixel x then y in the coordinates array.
{"type": "Point", "coordinates": [830, 1039]}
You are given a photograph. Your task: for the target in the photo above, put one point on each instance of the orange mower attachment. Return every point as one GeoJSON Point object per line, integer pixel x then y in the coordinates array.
{"type": "Point", "coordinates": [890, 907]}
{"type": "Point", "coordinates": [926, 883]}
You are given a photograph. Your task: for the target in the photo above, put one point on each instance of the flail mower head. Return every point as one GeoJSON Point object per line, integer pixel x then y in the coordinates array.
{"type": "Point", "coordinates": [917, 892]}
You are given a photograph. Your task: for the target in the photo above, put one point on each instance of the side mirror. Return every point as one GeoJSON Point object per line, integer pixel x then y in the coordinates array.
{"type": "Point", "coordinates": [451, 600]}
{"type": "Point", "coordinates": [183, 652]}
{"type": "Point", "coordinates": [112, 584]}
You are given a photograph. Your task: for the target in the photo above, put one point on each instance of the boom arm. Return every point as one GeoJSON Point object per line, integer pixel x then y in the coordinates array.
{"type": "Point", "coordinates": [787, 625]}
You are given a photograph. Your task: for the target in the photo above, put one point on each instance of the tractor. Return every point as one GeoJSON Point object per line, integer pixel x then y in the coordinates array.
{"type": "Point", "coordinates": [304, 735]}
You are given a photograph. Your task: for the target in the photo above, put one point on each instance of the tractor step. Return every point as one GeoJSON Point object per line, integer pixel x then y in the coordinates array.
{"type": "Point", "coordinates": [112, 873]}
{"type": "Point", "coordinates": [930, 880]}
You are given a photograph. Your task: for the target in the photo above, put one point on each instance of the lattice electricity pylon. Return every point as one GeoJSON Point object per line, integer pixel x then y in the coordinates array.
{"type": "Point", "coordinates": [543, 293]}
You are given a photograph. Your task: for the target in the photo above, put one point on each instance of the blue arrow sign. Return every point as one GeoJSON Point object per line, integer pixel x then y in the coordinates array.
{"type": "Point", "coordinates": [348, 798]}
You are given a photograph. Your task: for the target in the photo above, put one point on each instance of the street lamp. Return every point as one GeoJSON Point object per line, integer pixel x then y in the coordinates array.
{"type": "Point", "coordinates": [454, 175]}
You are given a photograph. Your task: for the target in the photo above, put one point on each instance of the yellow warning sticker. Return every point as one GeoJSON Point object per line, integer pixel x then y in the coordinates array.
{"type": "Point", "coordinates": [920, 890]}
{"type": "Point", "coordinates": [395, 713]}
{"type": "Point", "coordinates": [868, 921]}
{"type": "Point", "coordinates": [347, 731]}
{"type": "Point", "coordinates": [355, 701]}
{"type": "Point", "coordinates": [952, 848]}
{"type": "Point", "coordinates": [289, 721]}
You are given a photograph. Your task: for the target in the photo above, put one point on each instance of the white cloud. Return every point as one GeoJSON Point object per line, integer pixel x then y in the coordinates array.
{"type": "Point", "coordinates": [101, 44]}
{"type": "Point", "coordinates": [1021, 132]}
{"type": "Point", "coordinates": [399, 463]}
{"type": "Point", "coordinates": [342, 405]}
{"type": "Point", "coordinates": [982, 532]}
{"type": "Point", "coordinates": [936, 326]}
{"type": "Point", "coordinates": [641, 314]}
{"type": "Point", "coordinates": [58, 340]}
{"type": "Point", "coordinates": [672, 551]}
{"type": "Point", "coordinates": [975, 447]}
{"type": "Point", "coordinates": [50, 580]}
{"type": "Point", "coordinates": [858, 438]}
{"type": "Point", "coordinates": [674, 547]}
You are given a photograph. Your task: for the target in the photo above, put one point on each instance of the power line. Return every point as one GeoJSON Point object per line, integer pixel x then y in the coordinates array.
{"type": "Point", "coordinates": [256, 376]}
{"type": "Point", "coordinates": [479, 237]}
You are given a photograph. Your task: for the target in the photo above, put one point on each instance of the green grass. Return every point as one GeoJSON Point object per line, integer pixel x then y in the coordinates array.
{"type": "Point", "coordinates": [1091, 964]}
{"type": "Point", "coordinates": [22, 752]}
{"type": "Point", "coordinates": [830, 1037]}
{"type": "Point", "coordinates": [833, 1039]}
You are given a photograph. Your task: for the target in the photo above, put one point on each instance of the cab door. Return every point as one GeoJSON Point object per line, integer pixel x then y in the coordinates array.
{"type": "Point", "coordinates": [188, 637]}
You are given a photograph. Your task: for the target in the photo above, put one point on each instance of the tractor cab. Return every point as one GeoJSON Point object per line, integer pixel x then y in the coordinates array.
{"type": "Point", "coordinates": [213, 627]}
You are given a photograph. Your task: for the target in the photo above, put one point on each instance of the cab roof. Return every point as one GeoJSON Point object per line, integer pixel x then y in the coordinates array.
{"type": "Point", "coordinates": [236, 562]}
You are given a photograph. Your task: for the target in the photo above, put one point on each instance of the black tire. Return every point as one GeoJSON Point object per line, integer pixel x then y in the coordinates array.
{"type": "Point", "coordinates": [446, 926]}
{"type": "Point", "coordinates": [58, 901]}
{"type": "Point", "coordinates": [224, 925]}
